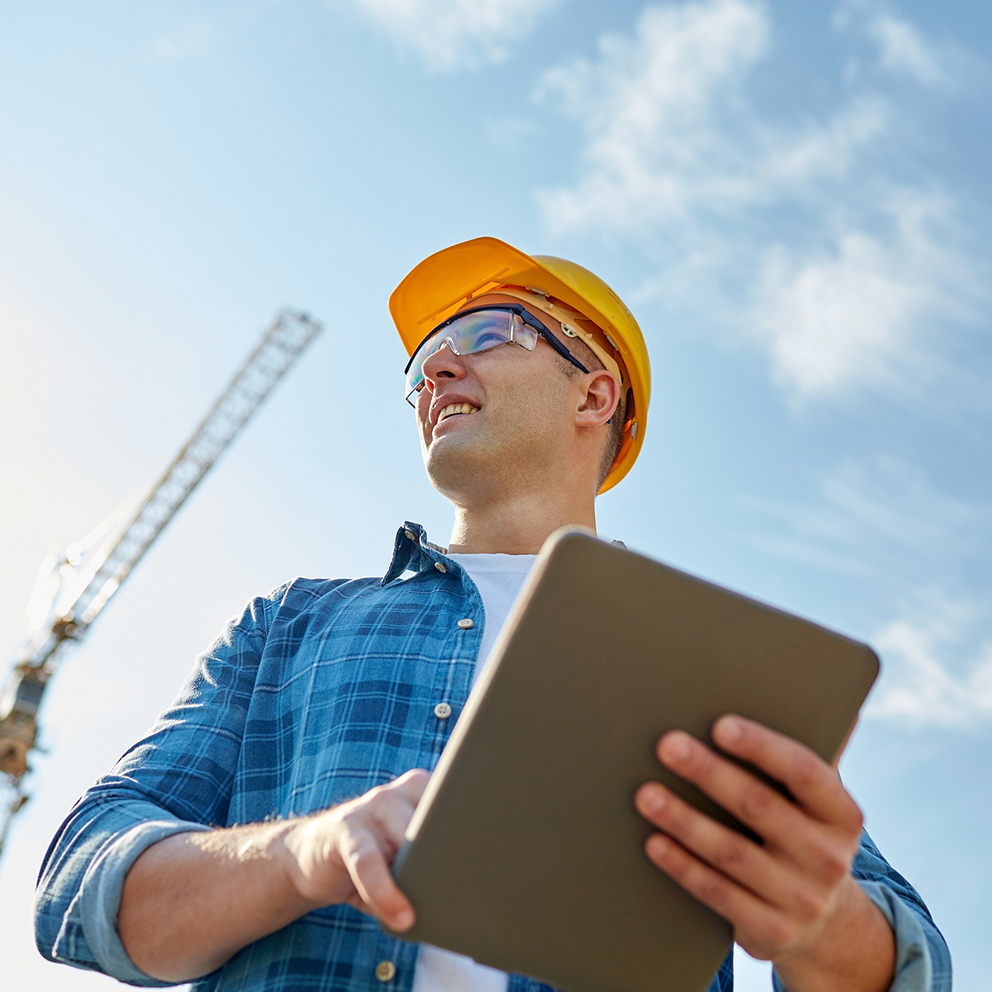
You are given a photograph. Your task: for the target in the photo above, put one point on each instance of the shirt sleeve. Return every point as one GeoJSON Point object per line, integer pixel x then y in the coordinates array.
{"type": "Point", "coordinates": [923, 962]}
{"type": "Point", "coordinates": [176, 779]}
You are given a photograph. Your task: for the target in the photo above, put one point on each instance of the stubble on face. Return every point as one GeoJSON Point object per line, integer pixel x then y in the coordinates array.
{"type": "Point", "coordinates": [515, 440]}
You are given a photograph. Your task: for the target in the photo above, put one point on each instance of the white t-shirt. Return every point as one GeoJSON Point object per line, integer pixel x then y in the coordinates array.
{"type": "Point", "coordinates": [498, 578]}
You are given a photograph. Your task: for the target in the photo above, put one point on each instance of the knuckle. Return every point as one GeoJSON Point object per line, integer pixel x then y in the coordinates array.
{"type": "Point", "coordinates": [376, 790]}
{"type": "Point", "coordinates": [756, 801]}
{"type": "Point", "coordinates": [854, 821]}
{"type": "Point", "coordinates": [702, 760]}
{"type": "Point", "coordinates": [349, 818]}
{"type": "Point", "coordinates": [682, 860]}
{"type": "Point", "coordinates": [808, 769]}
{"type": "Point", "coordinates": [710, 889]}
{"type": "Point", "coordinates": [810, 903]}
{"type": "Point", "coordinates": [676, 864]}
{"type": "Point", "coordinates": [836, 866]}
{"type": "Point", "coordinates": [781, 932]}
{"type": "Point", "coordinates": [678, 817]}
{"type": "Point", "coordinates": [363, 860]}
{"type": "Point", "coordinates": [358, 857]}
{"type": "Point", "coordinates": [831, 862]}
{"type": "Point", "coordinates": [734, 853]}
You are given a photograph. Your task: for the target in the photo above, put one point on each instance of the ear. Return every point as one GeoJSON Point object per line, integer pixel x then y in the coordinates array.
{"type": "Point", "coordinates": [598, 402]}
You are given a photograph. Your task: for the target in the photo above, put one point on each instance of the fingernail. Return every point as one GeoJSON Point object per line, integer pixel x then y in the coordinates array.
{"type": "Point", "coordinates": [675, 748]}
{"type": "Point", "coordinates": [403, 920]}
{"type": "Point", "coordinates": [729, 729]}
{"type": "Point", "coordinates": [654, 799]}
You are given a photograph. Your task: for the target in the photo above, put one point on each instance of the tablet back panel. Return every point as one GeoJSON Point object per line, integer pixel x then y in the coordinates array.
{"type": "Point", "coordinates": [526, 852]}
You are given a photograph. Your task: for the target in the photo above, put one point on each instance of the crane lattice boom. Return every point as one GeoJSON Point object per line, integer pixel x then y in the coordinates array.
{"type": "Point", "coordinates": [76, 585]}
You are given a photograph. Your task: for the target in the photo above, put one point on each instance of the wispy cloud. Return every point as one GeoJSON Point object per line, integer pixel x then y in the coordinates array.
{"type": "Point", "coordinates": [190, 40]}
{"type": "Point", "coordinates": [813, 247]}
{"type": "Point", "coordinates": [854, 313]}
{"type": "Point", "coordinates": [455, 34]}
{"type": "Point", "coordinates": [885, 516]}
{"type": "Point", "coordinates": [654, 109]}
{"type": "Point", "coordinates": [934, 673]}
{"type": "Point", "coordinates": [198, 35]}
{"type": "Point", "coordinates": [885, 523]}
{"type": "Point", "coordinates": [903, 49]}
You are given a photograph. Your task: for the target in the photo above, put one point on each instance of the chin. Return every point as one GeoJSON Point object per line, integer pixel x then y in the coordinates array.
{"type": "Point", "coordinates": [466, 469]}
{"type": "Point", "coordinates": [470, 474]}
{"type": "Point", "coordinates": [452, 461]}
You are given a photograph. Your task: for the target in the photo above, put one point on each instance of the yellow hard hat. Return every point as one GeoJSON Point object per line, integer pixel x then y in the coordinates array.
{"type": "Point", "coordinates": [446, 280]}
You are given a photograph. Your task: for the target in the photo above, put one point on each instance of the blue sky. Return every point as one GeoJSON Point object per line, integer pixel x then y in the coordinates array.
{"type": "Point", "coordinates": [791, 197]}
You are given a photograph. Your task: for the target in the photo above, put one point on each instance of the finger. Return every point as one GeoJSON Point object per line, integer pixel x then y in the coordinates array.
{"type": "Point", "coordinates": [822, 852]}
{"type": "Point", "coordinates": [762, 923]}
{"type": "Point", "coordinates": [811, 781]}
{"type": "Point", "coordinates": [372, 831]}
{"type": "Point", "coordinates": [733, 854]}
{"type": "Point", "coordinates": [410, 784]}
{"type": "Point", "coordinates": [388, 813]}
{"type": "Point", "coordinates": [799, 890]}
{"type": "Point", "coordinates": [369, 870]}
{"type": "Point", "coordinates": [739, 792]}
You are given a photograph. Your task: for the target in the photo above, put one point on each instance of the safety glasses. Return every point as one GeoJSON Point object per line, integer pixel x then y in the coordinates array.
{"type": "Point", "coordinates": [472, 331]}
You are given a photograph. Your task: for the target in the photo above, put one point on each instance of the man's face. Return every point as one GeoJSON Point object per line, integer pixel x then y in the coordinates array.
{"type": "Point", "coordinates": [494, 420]}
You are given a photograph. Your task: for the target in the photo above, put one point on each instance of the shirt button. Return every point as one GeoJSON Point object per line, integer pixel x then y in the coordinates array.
{"type": "Point", "coordinates": [385, 971]}
{"type": "Point", "coordinates": [440, 566]}
{"type": "Point", "coordinates": [466, 623]}
{"type": "Point", "coordinates": [410, 535]}
{"type": "Point", "coordinates": [442, 711]}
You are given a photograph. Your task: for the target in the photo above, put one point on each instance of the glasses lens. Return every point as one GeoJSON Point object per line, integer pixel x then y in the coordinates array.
{"type": "Point", "coordinates": [468, 335]}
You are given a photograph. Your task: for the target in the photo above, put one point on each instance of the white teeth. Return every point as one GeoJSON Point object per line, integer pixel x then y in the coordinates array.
{"type": "Point", "coordinates": [452, 408]}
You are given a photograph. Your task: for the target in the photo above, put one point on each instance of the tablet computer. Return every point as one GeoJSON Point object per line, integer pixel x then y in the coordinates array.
{"type": "Point", "coordinates": [526, 852]}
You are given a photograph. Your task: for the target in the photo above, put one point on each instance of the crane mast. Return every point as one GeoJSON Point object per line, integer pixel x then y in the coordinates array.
{"type": "Point", "coordinates": [74, 586]}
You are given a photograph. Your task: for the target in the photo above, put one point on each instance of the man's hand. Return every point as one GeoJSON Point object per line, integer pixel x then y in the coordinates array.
{"type": "Point", "coordinates": [344, 854]}
{"type": "Point", "coordinates": [192, 901]}
{"type": "Point", "coordinates": [791, 900]}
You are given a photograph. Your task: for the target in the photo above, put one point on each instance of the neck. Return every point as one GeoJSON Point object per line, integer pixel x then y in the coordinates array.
{"type": "Point", "coordinates": [517, 524]}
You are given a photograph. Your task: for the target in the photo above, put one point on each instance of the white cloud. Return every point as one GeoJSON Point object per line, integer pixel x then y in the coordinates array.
{"type": "Point", "coordinates": [822, 149]}
{"type": "Point", "coordinates": [882, 522]}
{"type": "Point", "coordinates": [456, 34]}
{"type": "Point", "coordinates": [851, 315]}
{"type": "Point", "coordinates": [656, 144]}
{"type": "Point", "coordinates": [902, 48]}
{"type": "Point", "coordinates": [931, 675]}
{"type": "Point", "coordinates": [794, 234]}
{"type": "Point", "coordinates": [669, 135]}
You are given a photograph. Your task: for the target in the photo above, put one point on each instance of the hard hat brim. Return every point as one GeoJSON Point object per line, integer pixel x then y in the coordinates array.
{"type": "Point", "coordinates": [433, 290]}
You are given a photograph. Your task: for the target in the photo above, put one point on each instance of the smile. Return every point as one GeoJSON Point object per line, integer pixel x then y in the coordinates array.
{"type": "Point", "coordinates": [454, 409]}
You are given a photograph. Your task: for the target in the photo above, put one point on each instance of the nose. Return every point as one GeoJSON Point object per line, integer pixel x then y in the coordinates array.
{"type": "Point", "coordinates": [443, 364]}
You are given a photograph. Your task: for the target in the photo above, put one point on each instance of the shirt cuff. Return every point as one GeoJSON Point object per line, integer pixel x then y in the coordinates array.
{"type": "Point", "coordinates": [100, 896]}
{"type": "Point", "coordinates": [913, 969]}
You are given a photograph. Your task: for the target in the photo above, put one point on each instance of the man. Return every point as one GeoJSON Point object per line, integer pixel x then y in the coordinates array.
{"type": "Point", "coordinates": [246, 842]}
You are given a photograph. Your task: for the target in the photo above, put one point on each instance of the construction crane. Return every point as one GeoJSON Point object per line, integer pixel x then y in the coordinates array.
{"type": "Point", "coordinates": [75, 585]}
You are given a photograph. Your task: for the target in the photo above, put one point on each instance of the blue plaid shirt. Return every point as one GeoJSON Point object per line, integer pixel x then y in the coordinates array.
{"type": "Point", "coordinates": [314, 695]}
